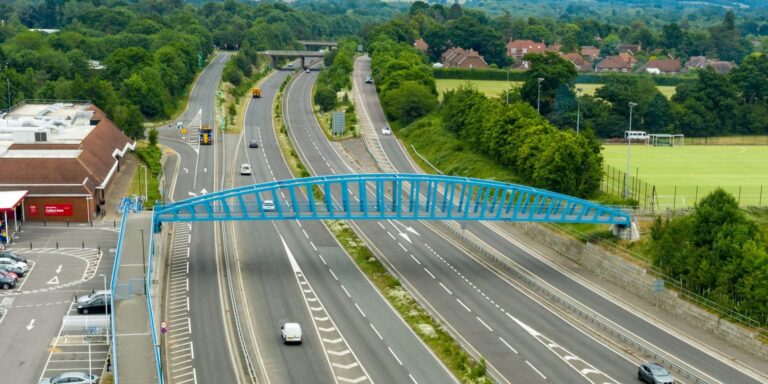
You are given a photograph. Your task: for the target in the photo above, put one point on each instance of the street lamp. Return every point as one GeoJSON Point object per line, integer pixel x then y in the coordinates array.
{"type": "Point", "coordinates": [507, 85]}
{"type": "Point", "coordinates": [146, 195]}
{"type": "Point", "coordinates": [578, 109]}
{"type": "Point", "coordinates": [106, 310]}
{"type": "Point", "coordinates": [143, 256]}
{"type": "Point", "coordinates": [632, 105]}
{"type": "Point", "coordinates": [538, 96]}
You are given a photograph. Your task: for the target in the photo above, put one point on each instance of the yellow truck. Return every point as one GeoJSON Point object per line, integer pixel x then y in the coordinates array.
{"type": "Point", "coordinates": [256, 92]}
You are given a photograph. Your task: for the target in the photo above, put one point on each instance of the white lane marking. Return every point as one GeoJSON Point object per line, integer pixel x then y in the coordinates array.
{"type": "Point", "coordinates": [376, 331]}
{"type": "Point", "coordinates": [345, 291]}
{"type": "Point", "coordinates": [395, 356]}
{"type": "Point", "coordinates": [430, 273]}
{"type": "Point", "coordinates": [446, 288]}
{"type": "Point", "coordinates": [483, 323]}
{"type": "Point", "coordinates": [333, 274]}
{"type": "Point", "coordinates": [321, 259]}
{"type": "Point", "coordinates": [415, 259]}
{"type": "Point", "coordinates": [464, 305]}
{"type": "Point", "coordinates": [413, 379]}
{"type": "Point", "coordinates": [401, 246]}
{"type": "Point", "coordinates": [507, 344]}
{"type": "Point", "coordinates": [536, 370]}
{"type": "Point", "coordinates": [359, 310]}
{"type": "Point", "coordinates": [313, 246]}
{"type": "Point", "coordinates": [391, 235]}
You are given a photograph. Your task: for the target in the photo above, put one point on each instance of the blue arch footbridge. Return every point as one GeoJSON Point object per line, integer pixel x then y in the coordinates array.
{"type": "Point", "coordinates": [389, 196]}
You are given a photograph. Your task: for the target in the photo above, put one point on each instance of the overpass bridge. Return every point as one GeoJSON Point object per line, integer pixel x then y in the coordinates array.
{"type": "Point", "coordinates": [308, 44]}
{"type": "Point", "coordinates": [292, 54]}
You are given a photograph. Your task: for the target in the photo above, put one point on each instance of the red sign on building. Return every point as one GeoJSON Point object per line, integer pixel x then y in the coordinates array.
{"type": "Point", "coordinates": [33, 210]}
{"type": "Point", "coordinates": [58, 209]}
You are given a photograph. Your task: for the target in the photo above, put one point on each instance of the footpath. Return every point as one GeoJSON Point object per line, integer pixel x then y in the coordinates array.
{"type": "Point", "coordinates": [135, 351]}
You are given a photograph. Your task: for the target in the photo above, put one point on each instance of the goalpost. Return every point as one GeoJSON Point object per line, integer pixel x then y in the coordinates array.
{"type": "Point", "coordinates": [667, 140]}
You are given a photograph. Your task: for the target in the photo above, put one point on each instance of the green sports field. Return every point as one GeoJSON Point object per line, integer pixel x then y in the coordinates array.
{"type": "Point", "coordinates": [495, 87]}
{"type": "Point", "coordinates": [734, 168]}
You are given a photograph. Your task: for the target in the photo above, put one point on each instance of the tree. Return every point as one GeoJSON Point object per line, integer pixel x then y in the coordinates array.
{"type": "Point", "coordinates": [555, 71]}
{"type": "Point", "coordinates": [325, 98]}
{"type": "Point", "coordinates": [408, 102]}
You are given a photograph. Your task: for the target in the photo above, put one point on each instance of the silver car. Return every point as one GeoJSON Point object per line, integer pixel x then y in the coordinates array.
{"type": "Point", "coordinates": [71, 377]}
{"type": "Point", "coordinates": [17, 267]}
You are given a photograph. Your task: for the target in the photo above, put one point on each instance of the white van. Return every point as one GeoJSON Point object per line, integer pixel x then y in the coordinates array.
{"type": "Point", "coordinates": [636, 135]}
{"type": "Point", "coordinates": [291, 333]}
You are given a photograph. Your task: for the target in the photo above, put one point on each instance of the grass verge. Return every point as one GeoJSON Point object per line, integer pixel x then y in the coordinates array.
{"type": "Point", "coordinates": [458, 361]}
{"type": "Point", "coordinates": [150, 156]}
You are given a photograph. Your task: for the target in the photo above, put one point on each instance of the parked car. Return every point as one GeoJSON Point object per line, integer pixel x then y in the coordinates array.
{"type": "Point", "coordinates": [72, 377]}
{"type": "Point", "coordinates": [386, 131]}
{"type": "Point", "coordinates": [7, 281]}
{"type": "Point", "coordinates": [291, 333]}
{"type": "Point", "coordinates": [13, 256]}
{"type": "Point", "coordinates": [245, 169]}
{"type": "Point", "coordinates": [102, 293]}
{"type": "Point", "coordinates": [653, 373]}
{"type": "Point", "coordinates": [253, 144]}
{"type": "Point", "coordinates": [268, 206]}
{"type": "Point", "coordinates": [17, 267]}
{"type": "Point", "coordinates": [97, 304]}
{"type": "Point", "coordinates": [369, 80]}
{"type": "Point", "coordinates": [9, 273]}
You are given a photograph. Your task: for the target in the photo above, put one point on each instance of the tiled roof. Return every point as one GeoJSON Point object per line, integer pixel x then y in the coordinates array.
{"type": "Point", "coordinates": [665, 66]}
{"type": "Point", "coordinates": [420, 44]}
{"type": "Point", "coordinates": [528, 44]}
{"type": "Point", "coordinates": [613, 63]}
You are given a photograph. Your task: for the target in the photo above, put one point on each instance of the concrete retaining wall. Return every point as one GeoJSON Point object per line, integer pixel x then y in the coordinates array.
{"type": "Point", "coordinates": [634, 278]}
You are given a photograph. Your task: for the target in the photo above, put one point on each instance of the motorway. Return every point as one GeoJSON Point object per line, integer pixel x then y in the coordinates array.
{"type": "Point", "coordinates": [205, 355]}
{"type": "Point", "coordinates": [700, 358]}
{"type": "Point", "coordinates": [474, 302]}
{"type": "Point", "coordinates": [295, 271]}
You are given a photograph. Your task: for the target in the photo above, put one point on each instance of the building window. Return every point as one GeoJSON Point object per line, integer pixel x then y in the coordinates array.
{"type": "Point", "coordinates": [41, 136]}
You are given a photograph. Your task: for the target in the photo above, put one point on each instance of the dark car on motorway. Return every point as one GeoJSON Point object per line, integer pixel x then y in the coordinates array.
{"type": "Point", "coordinates": [653, 373]}
{"type": "Point", "coordinates": [7, 281]}
{"type": "Point", "coordinates": [253, 144]}
{"type": "Point", "coordinates": [13, 256]}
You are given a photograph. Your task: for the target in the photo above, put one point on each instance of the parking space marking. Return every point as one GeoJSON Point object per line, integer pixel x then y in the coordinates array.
{"type": "Point", "coordinates": [91, 256]}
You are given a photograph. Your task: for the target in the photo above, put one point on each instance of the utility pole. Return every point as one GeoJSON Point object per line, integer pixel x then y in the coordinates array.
{"type": "Point", "coordinates": [632, 105]}
{"type": "Point", "coordinates": [538, 96]}
{"type": "Point", "coordinates": [578, 109]}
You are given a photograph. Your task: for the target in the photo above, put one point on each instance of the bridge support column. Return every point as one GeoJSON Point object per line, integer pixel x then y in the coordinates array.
{"type": "Point", "coordinates": [303, 65]}
{"type": "Point", "coordinates": [630, 233]}
{"type": "Point", "coordinates": [274, 62]}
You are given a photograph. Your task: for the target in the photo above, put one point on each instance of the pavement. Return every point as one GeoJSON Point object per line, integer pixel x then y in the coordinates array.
{"type": "Point", "coordinates": [135, 357]}
{"type": "Point", "coordinates": [119, 188]}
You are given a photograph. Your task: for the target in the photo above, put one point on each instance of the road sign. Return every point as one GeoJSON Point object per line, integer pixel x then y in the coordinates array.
{"type": "Point", "coordinates": [337, 123]}
{"type": "Point", "coordinates": [658, 285]}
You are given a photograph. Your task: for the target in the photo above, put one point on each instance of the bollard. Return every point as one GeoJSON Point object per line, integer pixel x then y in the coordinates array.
{"type": "Point", "coordinates": [91, 223]}
{"type": "Point", "coordinates": [67, 223]}
{"type": "Point", "coordinates": [114, 223]}
{"type": "Point", "coordinates": [83, 244]}
{"type": "Point", "coordinates": [99, 248]}
{"type": "Point", "coordinates": [57, 245]}
{"type": "Point", "coordinates": [30, 245]}
{"type": "Point", "coordinates": [45, 222]}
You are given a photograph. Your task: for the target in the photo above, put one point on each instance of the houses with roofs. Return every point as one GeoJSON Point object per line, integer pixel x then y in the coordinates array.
{"type": "Point", "coordinates": [614, 64]}
{"type": "Point", "coordinates": [519, 48]}
{"type": "Point", "coordinates": [421, 45]}
{"type": "Point", "coordinates": [578, 61]}
{"type": "Point", "coordinates": [701, 62]}
{"type": "Point", "coordinates": [664, 66]}
{"type": "Point", "coordinates": [461, 58]}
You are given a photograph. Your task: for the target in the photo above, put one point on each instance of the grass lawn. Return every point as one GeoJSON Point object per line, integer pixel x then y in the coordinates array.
{"type": "Point", "coordinates": [706, 167]}
{"type": "Point", "coordinates": [495, 87]}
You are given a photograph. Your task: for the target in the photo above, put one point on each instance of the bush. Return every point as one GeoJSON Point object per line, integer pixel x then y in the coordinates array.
{"type": "Point", "coordinates": [325, 98]}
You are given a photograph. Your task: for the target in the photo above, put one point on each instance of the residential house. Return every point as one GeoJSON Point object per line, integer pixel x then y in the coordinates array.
{"type": "Point", "coordinates": [421, 45]}
{"type": "Point", "coordinates": [632, 48]}
{"type": "Point", "coordinates": [613, 64]}
{"type": "Point", "coordinates": [460, 58]}
{"type": "Point", "coordinates": [590, 52]}
{"type": "Point", "coordinates": [519, 48]}
{"type": "Point", "coordinates": [665, 66]}
{"type": "Point", "coordinates": [701, 62]}
{"type": "Point", "coordinates": [627, 57]}
{"type": "Point", "coordinates": [578, 61]}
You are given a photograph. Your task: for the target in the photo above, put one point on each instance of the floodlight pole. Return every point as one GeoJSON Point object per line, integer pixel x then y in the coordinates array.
{"type": "Point", "coordinates": [538, 96]}
{"type": "Point", "coordinates": [632, 105]}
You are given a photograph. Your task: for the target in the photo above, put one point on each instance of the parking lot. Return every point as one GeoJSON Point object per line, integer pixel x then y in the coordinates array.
{"type": "Point", "coordinates": [43, 333]}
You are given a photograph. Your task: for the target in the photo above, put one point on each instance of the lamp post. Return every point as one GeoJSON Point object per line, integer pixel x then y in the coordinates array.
{"type": "Point", "coordinates": [106, 310]}
{"type": "Point", "coordinates": [632, 105]}
{"type": "Point", "coordinates": [507, 86]}
{"type": "Point", "coordinates": [578, 109]}
{"type": "Point", "coordinates": [538, 95]}
{"type": "Point", "coordinates": [146, 194]}
{"type": "Point", "coordinates": [143, 255]}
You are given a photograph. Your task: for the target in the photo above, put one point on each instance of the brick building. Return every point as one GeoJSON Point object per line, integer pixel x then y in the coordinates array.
{"type": "Point", "coordinates": [65, 154]}
{"type": "Point", "coordinates": [460, 58]}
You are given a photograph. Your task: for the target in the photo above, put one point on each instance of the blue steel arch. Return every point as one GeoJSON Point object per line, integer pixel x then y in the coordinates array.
{"type": "Point", "coordinates": [389, 196]}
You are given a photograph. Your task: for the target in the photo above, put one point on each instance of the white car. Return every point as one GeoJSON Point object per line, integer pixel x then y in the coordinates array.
{"type": "Point", "coordinates": [72, 377]}
{"type": "Point", "coordinates": [291, 333]}
{"type": "Point", "coordinates": [17, 267]}
{"type": "Point", "coordinates": [386, 131]}
{"type": "Point", "coordinates": [245, 169]}
{"type": "Point", "coordinates": [268, 206]}
{"type": "Point", "coordinates": [86, 298]}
